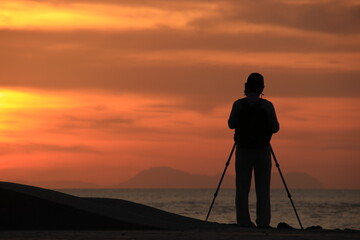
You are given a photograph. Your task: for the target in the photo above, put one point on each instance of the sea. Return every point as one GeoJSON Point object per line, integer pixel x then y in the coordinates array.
{"type": "Point", "coordinates": [330, 209]}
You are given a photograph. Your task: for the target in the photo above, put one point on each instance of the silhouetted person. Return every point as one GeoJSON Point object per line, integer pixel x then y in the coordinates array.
{"type": "Point", "coordinates": [254, 120]}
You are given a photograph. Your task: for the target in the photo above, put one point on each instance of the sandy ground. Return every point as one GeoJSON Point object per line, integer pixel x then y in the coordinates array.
{"type": "Point", "coordinates": [175, 235]}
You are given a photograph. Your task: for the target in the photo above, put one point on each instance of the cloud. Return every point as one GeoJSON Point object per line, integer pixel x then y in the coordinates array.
{"type": "Point", "coordinates": [93, 122]}
{"type": "Point", "coordinates": [72, 15]}
{"type": "Point", "coordinates": [332, 17]}
{"type": "Point", "coordinates": [178, 62]}
{"type": "Point", "coordinates": [205, 63]}
{"type": "Point", "coordinates": [31, 148]}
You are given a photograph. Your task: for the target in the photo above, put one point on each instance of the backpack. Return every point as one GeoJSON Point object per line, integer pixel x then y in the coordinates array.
{"type": "Point", "coordinates": [253, 130]}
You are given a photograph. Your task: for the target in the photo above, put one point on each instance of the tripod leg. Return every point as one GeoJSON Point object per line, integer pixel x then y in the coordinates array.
{"type": "Point", "coordinates": [221, 179]}
{"type": "Point", "coordinates": [286, 188]}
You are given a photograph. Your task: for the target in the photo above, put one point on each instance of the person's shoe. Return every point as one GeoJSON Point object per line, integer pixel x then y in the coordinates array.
{"type": "Point", "coordinates": [283, 225]}
{"type": "Point", "coordinates": [265, 227]}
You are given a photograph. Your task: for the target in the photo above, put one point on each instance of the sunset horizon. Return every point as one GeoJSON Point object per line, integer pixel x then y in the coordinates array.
{"type": "Point", "coordinates": [99, 91]}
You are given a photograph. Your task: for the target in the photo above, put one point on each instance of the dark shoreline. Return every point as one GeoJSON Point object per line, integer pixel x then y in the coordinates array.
{"type": "Point", "coordinates": [28, 212]}
{"type": "Point", "coordinates": [180, 235]}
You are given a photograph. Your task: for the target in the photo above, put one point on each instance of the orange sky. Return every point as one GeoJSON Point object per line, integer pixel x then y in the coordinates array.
{"type": "Point", "coordinates": [96, 91]}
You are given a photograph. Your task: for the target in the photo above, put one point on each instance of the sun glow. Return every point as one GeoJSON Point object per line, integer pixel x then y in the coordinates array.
{"type": "Point", "coordinates": [69, 16]}
{"type": "Point", "coordinates": [17, 99]}
{"type": "Point", "coordinates": [18, 106]}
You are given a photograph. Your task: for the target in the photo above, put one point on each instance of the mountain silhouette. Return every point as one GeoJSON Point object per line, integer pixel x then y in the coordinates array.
{"type": "Point", "coordinates": [166, 177]}
{"type": "Point", "coordinates": [297, 180]}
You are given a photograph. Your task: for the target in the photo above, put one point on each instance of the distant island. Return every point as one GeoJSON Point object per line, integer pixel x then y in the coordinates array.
{"type": "Point", "coordinates": [166, 177]}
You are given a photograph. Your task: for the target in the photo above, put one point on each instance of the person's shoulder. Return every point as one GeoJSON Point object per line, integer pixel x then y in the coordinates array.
{"type": "Point", "coordinates": [239, 101]}
{"type": "Point", "coordinates": [265, 101]}
{"type": "Point", "coordinates": [267, 104]}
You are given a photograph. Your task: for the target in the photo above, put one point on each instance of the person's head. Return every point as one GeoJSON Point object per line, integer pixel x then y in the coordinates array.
{"type": "Point", "coordinates": [254, 84]}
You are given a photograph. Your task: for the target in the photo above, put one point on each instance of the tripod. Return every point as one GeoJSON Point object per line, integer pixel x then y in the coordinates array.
{"type": "Point", "coordinates": [281, 175]}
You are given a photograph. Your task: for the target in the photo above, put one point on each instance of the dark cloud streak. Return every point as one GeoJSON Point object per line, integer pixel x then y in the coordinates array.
{"type": "Point", "coordinates": [21, 148]}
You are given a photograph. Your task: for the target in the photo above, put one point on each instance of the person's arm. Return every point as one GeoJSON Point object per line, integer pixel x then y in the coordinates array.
{"type": "Point", "coordinates": [273, 122]}
{"type": "Point", "coordinates": [234, 115]}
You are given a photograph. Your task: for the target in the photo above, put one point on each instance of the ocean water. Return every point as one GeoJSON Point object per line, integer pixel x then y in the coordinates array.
{"type": "Point", "coordinates": [331, 209]}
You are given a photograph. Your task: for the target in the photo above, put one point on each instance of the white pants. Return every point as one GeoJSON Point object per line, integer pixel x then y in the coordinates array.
{"type": "Point", "coordinates": [258, 159]}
